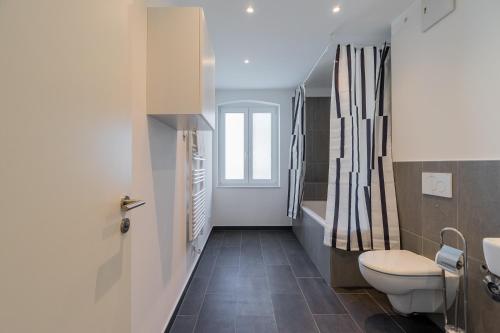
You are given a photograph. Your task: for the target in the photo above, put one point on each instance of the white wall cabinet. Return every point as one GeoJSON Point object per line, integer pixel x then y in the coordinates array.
{"type": "Point", "coordinates": [180, 68]}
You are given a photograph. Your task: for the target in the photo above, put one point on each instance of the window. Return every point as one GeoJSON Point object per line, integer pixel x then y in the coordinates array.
{"type": "Point", "coordinates": [248, 144]}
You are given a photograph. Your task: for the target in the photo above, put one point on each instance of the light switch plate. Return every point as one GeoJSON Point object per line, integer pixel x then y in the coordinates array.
{"type": "Point", "coordinates": [438, 184]}
{"type": "Point", "coordinates": [434, 11]}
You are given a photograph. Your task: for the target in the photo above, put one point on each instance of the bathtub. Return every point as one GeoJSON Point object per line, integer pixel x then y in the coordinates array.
{"type": "Point", "coordinates": [339, 268]}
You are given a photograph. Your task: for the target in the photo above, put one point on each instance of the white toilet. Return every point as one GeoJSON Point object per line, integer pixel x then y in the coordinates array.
{"type": "Point", "coordinates": [412, 282]}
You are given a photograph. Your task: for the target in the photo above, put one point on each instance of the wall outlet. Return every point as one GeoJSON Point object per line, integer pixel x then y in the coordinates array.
{"type": "Point", "coordinates": [438, 184]}
{"type": "Point", "coordinates": [434, 11]}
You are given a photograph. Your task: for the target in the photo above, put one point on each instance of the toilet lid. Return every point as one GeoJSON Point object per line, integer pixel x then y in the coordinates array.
{"type": "Point", "coordinates": [399, 262]}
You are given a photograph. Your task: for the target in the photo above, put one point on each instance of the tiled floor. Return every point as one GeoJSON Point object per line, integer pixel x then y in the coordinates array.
{"type": "Point", "coordinates": [263, 281]}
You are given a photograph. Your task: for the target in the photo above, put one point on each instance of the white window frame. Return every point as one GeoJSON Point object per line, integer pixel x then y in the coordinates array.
{"type": "Point", "coordinates": [249, 108]}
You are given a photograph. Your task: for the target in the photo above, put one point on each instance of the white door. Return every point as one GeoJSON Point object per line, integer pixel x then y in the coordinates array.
{"type": "Point", "coordinates": [65, 161]}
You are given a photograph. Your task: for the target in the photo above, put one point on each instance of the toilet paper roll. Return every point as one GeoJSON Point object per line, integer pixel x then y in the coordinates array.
{"type": "Point", "coordinates": [449, 259]}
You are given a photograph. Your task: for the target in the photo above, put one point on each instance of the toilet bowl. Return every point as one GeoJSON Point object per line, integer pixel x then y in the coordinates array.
{"type": "Point", "coordinates": [412, 282]}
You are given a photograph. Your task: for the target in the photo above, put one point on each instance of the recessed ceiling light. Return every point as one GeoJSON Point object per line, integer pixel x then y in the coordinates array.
{"type": "Point", "coordinates": [250, 10]}
{"type": "Point", "coordinates": [246, 61]}
{"type": "Point", "coordinates": [336, 9]}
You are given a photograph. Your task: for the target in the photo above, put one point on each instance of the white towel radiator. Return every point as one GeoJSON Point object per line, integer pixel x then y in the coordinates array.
{"type": "Point", "coordinates": [197, 212]}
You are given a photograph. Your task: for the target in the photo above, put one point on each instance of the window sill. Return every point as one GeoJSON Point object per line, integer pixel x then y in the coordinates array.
{"type": "Point", "coordinates": [248, 186]}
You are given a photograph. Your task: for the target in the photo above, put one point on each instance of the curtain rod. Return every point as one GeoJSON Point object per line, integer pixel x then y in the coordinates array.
{"type": "Point", "coordinates": [325, 50]}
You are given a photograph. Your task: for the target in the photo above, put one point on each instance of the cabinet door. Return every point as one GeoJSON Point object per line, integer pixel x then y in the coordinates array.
{"type": "Point", "coordinates": [174, 61]}
{"type": "Point", "coordinates": [208, 74]}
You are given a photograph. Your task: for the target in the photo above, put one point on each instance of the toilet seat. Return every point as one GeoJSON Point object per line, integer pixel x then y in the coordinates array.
{"type": "Point", "coordinates": [399, 262]}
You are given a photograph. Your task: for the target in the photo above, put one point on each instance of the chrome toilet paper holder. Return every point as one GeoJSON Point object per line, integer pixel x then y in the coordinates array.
{"type": "Point", "coordinates": [461, 267]}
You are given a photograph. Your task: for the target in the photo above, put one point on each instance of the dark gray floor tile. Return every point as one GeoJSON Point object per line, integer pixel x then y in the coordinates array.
{"type": "Point", "coordinates": [250, 237]}
{"type": "Point", "coordinates": [320, 297]}
{"type": "Point", "coordinates": [216, 326]}
{"type": "Point", "coordinates": [218, 307]}
{"type": "Point", "coordinates": [245, 295]}
{"type": "Point", "coordinates": [251, 269]}
{"type": "Point", "coordinates": [183, 324]}
{"type": "Point", "coordinates": [350, 290]}
{"type": "Point", "coordinates": [252, 285]}
{"type": "Point", "coordinates": [287, 234]}
{"type": "Point", "coordinates": [224, 280]}
{"type": "Point", "coordinates": [381, 299]}
{"type": "Point", "coordinates": [255, 306]}
{"type": "Point", "coordinates": [232, 238]}
{"type": "Point", "coordinates": [274, 255]}
{"type": "Point", "coordinates": [228, 256]}
{"type": "Point", "coordinates": [302, 266]}
{"type": "Point", "coordinates": [252, 289]}
{"type": "Point", "coordinates": [256, 324]}
{"type": "Point", "coordinates": [269, 239]}
{"type": "Point", "coordinates": [292, 314]}
{"type": "Point", "coordinates": [256, 302]}
{"type": "Point", "coordinates": [213, 243]}
{"type": "Point", "coordinates": [284, 234]}
{"type": "Point", "coordinates": [251, 249]}
{"type": "Point", "coordinates": [368, 315]}
{"type": "Point", "coordinates": [281, 280]}
{"type": "Point", "coordinates": [251, 254]}
{"type": "Point", "coordinates": [211, 251]}
{"type": "Point", "coordinates": [217, 234]}
{"type": "Point", "coordinates": [253, 297]}
{"type": "Point", "coordinates": [216, 238]}
{"type": "Point", "coordinates": [339, 323]}
{"type": "Point", "coordinates": [251, 260]}
{"type": "Point", "coordinates": [205, 266]}
{"type": "Point", "coordinates": [416, 324]}
{"type": "Point", "coordinates": [193, 299]}
{"type": "Point", "coordinates": [217, 314]}
{"type": "Point", "coordinates": [379, 323]}
{"type": "Point", "coordinates": [292, 247]}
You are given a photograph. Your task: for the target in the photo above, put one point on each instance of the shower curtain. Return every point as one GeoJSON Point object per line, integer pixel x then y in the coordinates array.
{"type": "Point", "coordinates": [297, 154]}
{"type": "Point", "coordinates": [361, 204]}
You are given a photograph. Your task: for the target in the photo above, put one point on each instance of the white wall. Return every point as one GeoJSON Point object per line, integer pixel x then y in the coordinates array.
{"type": "Point", "coordinates": [162, 260]}
{"type": "Point", "coordinates": [446, 84]}
{"type": "Point", "coordinates": [256, 206]}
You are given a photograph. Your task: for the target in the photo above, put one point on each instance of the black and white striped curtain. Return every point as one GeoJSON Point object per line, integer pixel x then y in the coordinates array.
{"type": "Point", "coordinates": [361, 205]}
{"type": "Point", "coordinates": [297, 154]}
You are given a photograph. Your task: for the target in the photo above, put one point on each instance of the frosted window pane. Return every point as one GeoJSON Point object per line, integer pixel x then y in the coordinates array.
{"type": "Point", "coordinates": [261, 146]}
{"type": "Point", "coordinates": [234, 146]}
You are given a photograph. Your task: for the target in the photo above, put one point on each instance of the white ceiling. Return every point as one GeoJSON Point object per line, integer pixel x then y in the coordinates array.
{"type": "Point", "coordinates": [284, 38]}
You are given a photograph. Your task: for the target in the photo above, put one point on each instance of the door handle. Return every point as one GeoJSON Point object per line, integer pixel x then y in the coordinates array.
{"type": "Point", "coordinates": [127, 204]}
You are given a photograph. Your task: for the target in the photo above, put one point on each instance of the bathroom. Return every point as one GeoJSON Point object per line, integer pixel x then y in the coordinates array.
{"type": "Point", "coordinates": [284, 166]}
{"type": "Point", "coordinates": [418, 146]}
